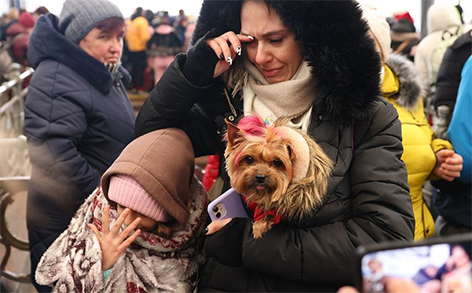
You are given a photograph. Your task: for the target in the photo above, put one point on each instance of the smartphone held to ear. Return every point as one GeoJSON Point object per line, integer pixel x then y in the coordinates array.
{"type": "Point", "coordinates": [228, 205]}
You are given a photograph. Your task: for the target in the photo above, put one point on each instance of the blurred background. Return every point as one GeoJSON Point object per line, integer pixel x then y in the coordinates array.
{"type": "Point", "coordinates": [416, 8]}
{"type": "Point", "coordinates": [181, 15]}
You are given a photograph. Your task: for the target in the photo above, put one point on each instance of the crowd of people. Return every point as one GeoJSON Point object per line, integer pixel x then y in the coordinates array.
{"type": "Point", "coordinates": [113, 203]}
{"type": "Point", "coordinates": [152, 40]}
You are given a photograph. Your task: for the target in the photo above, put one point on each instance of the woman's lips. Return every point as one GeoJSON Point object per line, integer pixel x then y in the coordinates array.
{"type": "Point", "coordinates": [271, 72]}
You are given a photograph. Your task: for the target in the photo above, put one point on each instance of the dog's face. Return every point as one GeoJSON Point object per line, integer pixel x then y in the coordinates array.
{"type": "Point", "coordinates": [260, 166]}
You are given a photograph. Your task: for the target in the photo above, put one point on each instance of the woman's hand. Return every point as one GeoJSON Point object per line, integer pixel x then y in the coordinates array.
{"type": "Point", "coordinates": [448, 165]}
{"type": "Point", "coordinates": [216, 226]}
{"type": "Point", "coordinates": [226, 47]}
{"type": "Point", "coordinates": [112, 242]}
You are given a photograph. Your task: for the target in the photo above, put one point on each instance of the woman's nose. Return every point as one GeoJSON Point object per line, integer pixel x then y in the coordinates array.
{"type": "Point", "coordinates": [262, 54]}
{"type": "Point", "coordinates": [115, 46]}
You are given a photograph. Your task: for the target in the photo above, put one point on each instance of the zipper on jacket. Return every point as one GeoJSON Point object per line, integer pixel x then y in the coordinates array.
{"type": "Point", "coordinates": [120, 90]}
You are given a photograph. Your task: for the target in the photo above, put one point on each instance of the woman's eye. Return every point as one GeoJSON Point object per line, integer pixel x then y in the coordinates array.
{"type": "Point", "coordinates": [277, 163]}
{"type": "Point", "coordinates": [276, 40]}
{"type": "Point", "coordinates": [249, 160]}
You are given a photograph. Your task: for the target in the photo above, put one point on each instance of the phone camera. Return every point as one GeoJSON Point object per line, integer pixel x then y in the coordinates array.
{"type": "Point", "coordinates": [215, 209]}
{"type": "Point", "coordinates": [218, 215]}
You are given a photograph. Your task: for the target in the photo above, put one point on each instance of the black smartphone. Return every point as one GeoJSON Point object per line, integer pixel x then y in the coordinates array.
{"type": "Point", "coordinates": [435, 265]}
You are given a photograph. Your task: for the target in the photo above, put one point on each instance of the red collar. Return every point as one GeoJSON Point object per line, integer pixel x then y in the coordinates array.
{"type": "Point", "coordinates": [260, 213]}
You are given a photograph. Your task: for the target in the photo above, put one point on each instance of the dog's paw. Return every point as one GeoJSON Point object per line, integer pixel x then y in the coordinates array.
{"type": "Point", "coordinates": [259, 228]}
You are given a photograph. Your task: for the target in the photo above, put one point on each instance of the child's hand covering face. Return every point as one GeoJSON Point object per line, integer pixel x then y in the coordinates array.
{"type": "Point", "coordinates": [147, 224]}
{"type": "Point", "coordinates": [113, 242]}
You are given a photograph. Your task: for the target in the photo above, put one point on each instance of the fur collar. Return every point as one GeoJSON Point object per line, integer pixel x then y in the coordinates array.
{"type": "Point", "coordinates": [46, 42]}
{"type": "Point", "coordinates": [411, 87]}
{"type": "Point", "coordinates": [344, 63]}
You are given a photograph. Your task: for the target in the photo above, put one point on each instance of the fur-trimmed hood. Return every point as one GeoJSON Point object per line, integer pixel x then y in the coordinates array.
{"type": "Point", "coordinates": [335, 42]}
{"type": "Point", "coordinates": [411, 88]}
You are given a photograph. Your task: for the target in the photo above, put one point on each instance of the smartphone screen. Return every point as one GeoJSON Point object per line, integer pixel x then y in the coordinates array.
{"type": "Point", "coordinates": [431, 268]}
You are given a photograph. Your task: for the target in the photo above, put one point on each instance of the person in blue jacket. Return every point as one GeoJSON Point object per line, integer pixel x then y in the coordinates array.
{"type": "Point", "coordinates": [460, 129]}
{"type": "Point", "coordinates": [78, 117]}
{"type": "Point", "coordinates": [453, 201]}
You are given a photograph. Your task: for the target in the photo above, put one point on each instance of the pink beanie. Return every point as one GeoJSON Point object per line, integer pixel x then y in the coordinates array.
{"type": "Point", "coordinates": [127, 192]}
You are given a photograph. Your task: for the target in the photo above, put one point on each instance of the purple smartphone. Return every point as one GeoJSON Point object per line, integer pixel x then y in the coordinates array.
{"type": "Point", "coordinates": [227, 205]}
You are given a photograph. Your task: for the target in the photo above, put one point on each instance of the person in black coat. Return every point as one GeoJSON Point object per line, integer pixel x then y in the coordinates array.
{"type": "Point", "coordinates": [449, 74]}
{"type": "Point", "coordinates": [315, 62]}
{"type": "Point", "coordinates": [78, 117]}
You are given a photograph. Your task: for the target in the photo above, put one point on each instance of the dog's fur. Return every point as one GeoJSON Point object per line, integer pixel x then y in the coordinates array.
{"type": "Point", "coordinates": [260, 163]}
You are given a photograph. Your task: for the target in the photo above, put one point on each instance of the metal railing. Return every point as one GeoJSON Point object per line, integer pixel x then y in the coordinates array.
{"type": "Point", "coordinates": [15, 168]}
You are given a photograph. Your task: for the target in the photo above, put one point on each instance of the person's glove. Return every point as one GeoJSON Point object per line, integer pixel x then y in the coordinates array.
{"type": "Point", "coordinates": [200, 63]}
{"type": "Point", "coordinates": [226, 245]}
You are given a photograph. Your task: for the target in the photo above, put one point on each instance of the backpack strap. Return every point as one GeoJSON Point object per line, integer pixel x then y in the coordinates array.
{"type": "Point", "coordinates": [402, 46]}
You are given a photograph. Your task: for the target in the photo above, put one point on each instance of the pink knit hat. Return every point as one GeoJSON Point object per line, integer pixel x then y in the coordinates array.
{"type": "Point", "coordinates": [127, 192]}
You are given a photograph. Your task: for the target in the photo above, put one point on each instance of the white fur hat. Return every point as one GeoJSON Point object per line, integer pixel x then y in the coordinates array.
{"type": "Point", "coordinates": [380, 29]}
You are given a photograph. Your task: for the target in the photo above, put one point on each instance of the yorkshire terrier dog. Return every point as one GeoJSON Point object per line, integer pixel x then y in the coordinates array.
{"type": "Point", "coordinates": [281, 172]}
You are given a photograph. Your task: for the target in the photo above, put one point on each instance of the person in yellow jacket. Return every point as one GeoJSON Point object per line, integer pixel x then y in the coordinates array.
{"type": "Point", "coordinates": [137, 36]}
{"type": "Point", "coordinates": [425, 157]}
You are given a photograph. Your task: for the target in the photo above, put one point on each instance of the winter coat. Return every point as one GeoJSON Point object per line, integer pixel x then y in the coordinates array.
{"type": "Point", "coordinates": [350, 121]}
{"type": "Point", "coordinates": [454, 199]}
{"type": "Point", "coordinates": [211, 171]}
{"type": "Point", "coordinates": [449, 75]}
{"type": "Point", "coordinates": [443, 22]}
{"type": "Point", "coordinates": [137, 34]}
{"type": "Point", "coordinates": [460, 129]}
{"type": "Point", "coordinates": [418, 142]}
{"type": "Point", "coordinates": [78, 119]}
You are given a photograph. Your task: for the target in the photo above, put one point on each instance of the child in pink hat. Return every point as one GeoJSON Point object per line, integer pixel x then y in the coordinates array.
{"type": "Point", "coordinates": [138, 231]}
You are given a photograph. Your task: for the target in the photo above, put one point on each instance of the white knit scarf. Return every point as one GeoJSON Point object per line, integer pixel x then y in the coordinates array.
{"type": "Point", "coordinates": [292, 98]}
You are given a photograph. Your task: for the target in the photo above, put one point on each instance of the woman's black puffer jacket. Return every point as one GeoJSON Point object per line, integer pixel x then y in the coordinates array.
{"type": "Point", "coordinates": [368, 198]}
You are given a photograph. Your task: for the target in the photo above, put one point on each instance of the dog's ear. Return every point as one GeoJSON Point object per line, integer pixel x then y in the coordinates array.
{"type": "Point", "coordinates": [291, 152]}
{"type": "Point", "coordinates": [232, 134]}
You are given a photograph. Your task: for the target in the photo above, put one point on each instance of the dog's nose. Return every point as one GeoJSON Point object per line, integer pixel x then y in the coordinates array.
{"type": "Point", "coordinates": [260, 178]}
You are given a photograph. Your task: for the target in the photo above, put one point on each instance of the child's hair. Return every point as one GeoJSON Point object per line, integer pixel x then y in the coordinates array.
{"type": "Point", "coordinates": [127, 192]}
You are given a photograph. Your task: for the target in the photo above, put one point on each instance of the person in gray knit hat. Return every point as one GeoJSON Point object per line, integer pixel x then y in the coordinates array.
{"type": "Point", "coordinates": [78, 117]}
{"type": "Point", "coordinates": [79, 17]}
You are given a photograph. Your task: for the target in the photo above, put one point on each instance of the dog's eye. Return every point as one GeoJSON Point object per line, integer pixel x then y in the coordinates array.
{"type": "Point", "coordinates": [249, 160]}
{"type": "Point", "coordinates": [277, 163]}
